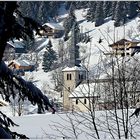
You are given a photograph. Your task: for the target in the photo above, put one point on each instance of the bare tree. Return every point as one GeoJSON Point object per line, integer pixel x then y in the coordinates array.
{"type": "Point", "coordinates": [115, 94]}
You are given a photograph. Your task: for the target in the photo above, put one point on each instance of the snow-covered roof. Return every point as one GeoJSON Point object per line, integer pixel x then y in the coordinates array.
{"type": "Point", "coordinates": [138, 44]}
{"type": "Point", "coordinates": [23, 62]}
{"type": "Point", "coordinates": [86, 90]}
{"type": "Point", "coordinates": [135, 40]}
{"type": "Point", "coordinates": [75, 68]}
{"type": "Point", "coordinates": [42, 45]}
{"type": "Point", "coordinates": [28, 62]}
{"type": "Point", "coordinates": [54, 26]}
{"type": "Point", "coordinates": [16, 44]}
{"type": "Point", "coordinates": [123, 41]}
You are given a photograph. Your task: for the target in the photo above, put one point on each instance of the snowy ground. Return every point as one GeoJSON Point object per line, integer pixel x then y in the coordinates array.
{"type": "Point", "coordinates": [56, 126]}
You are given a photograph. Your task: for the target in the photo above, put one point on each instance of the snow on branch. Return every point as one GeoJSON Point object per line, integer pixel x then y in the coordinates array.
{"type": "Point", "coordinates": [5, 132]}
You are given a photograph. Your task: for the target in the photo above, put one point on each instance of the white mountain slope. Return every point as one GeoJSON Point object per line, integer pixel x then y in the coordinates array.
{"type": "Point", "coordinates": [91, 51]}
{"type": "Point", "coordinates": [108, 34]}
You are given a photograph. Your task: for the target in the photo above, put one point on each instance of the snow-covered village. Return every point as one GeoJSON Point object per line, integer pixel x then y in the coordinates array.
{"type": "Point", "coordinates": [69, 70]}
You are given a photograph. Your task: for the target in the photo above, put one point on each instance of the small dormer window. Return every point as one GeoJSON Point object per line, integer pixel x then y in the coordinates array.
{"type": "Point", "coordinates": [69, 77]}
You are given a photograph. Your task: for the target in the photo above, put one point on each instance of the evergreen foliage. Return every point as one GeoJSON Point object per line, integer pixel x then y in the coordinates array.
{"type": "Point", "coordinates": [132, 9]}
{"type": "Point", "coordinates": [67, 4]}
{"type": "Point", "coordinates": [107, 8]}
{"type": "Point", "coordinates": [45, 11]}
{"type": "Point", "coordinates": [91, 11]}
{"type": "Point", "coordinates": [49, 57]}
{"type": "Point", "coordinates": [29, 44]}
{"type": "Point", "coordinates": [120, 14]}
{"type": "Point", "coordinates": [12, 85]}
{"type": "Point", "coordinates": [99, 14]}
{"type": "Point", "coordinates": [69, 22]}
{"type": "Point", "coordinates": [81, 4]}
{"type": "Point", "coordinates": [120, 11]}
{"type": "Point", "coordinates": [113, 7]}
{"type": "Point", "coordinates": [41, 11]}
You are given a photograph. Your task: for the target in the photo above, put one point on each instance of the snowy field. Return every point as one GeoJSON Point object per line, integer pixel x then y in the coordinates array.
{"type": "Point", "coordinates": [58, 126]}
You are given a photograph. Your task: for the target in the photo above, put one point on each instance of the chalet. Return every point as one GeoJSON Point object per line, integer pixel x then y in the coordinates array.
{"type": "Point", "coordinates": [18, 46]}
{"type": "Point", "coordinates": [9, 53]}
{"type": "Point", "coordinates": [52, 29]}
{"type": "Point", "coordinates": [12, 49]}
{"type": "Point", "coordinates": [124, 47]}
{"type": "Point", "coordinates": [21, 65]}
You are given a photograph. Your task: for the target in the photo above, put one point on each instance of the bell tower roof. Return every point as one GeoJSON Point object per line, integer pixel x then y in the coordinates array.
{"type": "Point", "coordinates": [75, 68]}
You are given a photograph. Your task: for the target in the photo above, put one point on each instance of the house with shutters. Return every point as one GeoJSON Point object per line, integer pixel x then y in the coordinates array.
{"type": "Point", "coordinates": [125, 47]}
{"type": "Point", "coordinates": [12, 49]}
{"type": "Point", "coordinates": [52, 29]}
{"type": "Point", "coordinates": [19, 67]}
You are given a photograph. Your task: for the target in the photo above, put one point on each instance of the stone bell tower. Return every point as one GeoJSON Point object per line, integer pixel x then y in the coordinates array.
{"type": "Point", "coordinates": [74, 73]}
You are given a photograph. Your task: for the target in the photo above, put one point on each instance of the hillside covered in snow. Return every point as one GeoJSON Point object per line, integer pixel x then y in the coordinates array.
{"type": "Point", "coordinates": [91, 52]}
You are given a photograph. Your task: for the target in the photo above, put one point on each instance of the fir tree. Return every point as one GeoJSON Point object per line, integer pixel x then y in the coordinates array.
{"type": "Point", "coordinates": [132, 7]}
{"type": "Point", "coordinates": [69, 22]}
{"type": "Point", "coordinates": [113, 7]}
{"type": "Point", "coordinates": [29, 44]}
{"type": "Point", "coordinates": [120, 14]}
{"type": "Point", "coordinates": [53, 8]}
{"type": "Point", "coordinates": [68, 4]}
{"type": "Point", "coordinates": [99, 15]}
{"type": "Point", "coordinates": [41, 11]}
{"type": "Point", "coordinates": [49, 57]}
{"type": "Point", "coordinates": [81, 4]}
{"type": "Point", "coordinates": [107, 8]}
{"type": "Point", "coordinates": [91, 11]}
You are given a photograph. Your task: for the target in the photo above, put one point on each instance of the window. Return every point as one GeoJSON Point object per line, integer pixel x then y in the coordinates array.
{"type": "Point", "coordinates": [68, 88]}
{"type": "Point", "coordinates": [81, 77]}
{"type": "Point", "coordinates": [69, 77]}
{"type": "Point", "coordinates": [85, 101]}
{"type": "Point", "coordinates": [76, 101]}
{"type": "Point", "coordinates": [121, 49]}
{"type": "Point", "coordinates": [123, 54]}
